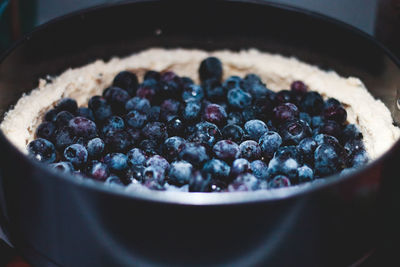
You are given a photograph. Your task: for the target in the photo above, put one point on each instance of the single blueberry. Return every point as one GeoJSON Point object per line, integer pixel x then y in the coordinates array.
{"type": "Point", "coordinates": [67, 104]}
{"type": "Point", "coordinates": [191, 111]}
{"type": "Point", "coordinates": [195, 154]}
{"type": "Point", "coordinates": [359, 158]}
{"type": "Point", "coordinates": [214, 90]}
{"type": "Point", "coordinates": [251, 80]}
{"type": "Point", "coordinates": [180, 172]}
{"type": "Point", "coordinates": [83, 127]}
{"type": "Point", "coordinates": [154, 113]}
{"type": "Point", "coordinates": [116, 162]}
{"type": "Point", "coordinates": [113, 124]}
{"type": "Point", "coordinates": [127, 81]}
{"type": "Point", "coordinates": [192, 92]}
{"type": "Point", "coordinates": [63, 137]}
{"type": "Point", "coordinates": [283, 96]}
{"type": "Point", "coordinates": [232, 132]}
{"type": "Point", "coordinates": [135, 119]}
{"type": "Point", "coordinates": [76, 154]}
{"type": "Point", "coordinates": [101, 109]}
{"type": "Point", "coordinates": [149, 147]}
{"type": "Point", "coordinates": [292, 132]}
{"type": "Point", "coordinates": [210, 68]}
{"type": "Point", "coordinates": [326, 160]}
{"type": "Point", "coordinates": [140, 104]}
{"type": "Point", "coordinates": [235, 118]}
{"type": "Point", "coordinates": [215, 114]}
{"type": "Point", "coordinates": [155, 131]}
{"type": "Point", "coordinates": [279, 181]}
{"type": "Point", "coordinates": [158, 162]}
{"type": "Point", "coordinates": [63, 118]}
{"type": "Point", "coordinates": [50, 115]}
{"type": "Point", "coordinates": [316, 121]}
{"type": "Point", "coordinates": [226, 150]}
{"type": "Point", "coordinates": [172, 147]}
{"type": "Point", "coordinates": [250, 150]}
{"type": "Point", "coordinates": [205, 133]}
{"type": "Point", "coordinates": [305, 174]}
{"type": "Point", "coordinates": [331, 128]}
{"type": "Point", "coordinates": [151, 74]}
{"type": "Point", "coordinates": [95, 147]}
{"type": "Point", "coordinates": [350, 132]}
{"type": "Point", "coordinates": [255, 129]}
{"type": "Point", "coordinates": [175, 127]}
{"type": "Point", "coordinates": [153, 173]}
{"type": "Point", "coordinates": [149, 89]}
{"type": "Point", "coordinates": [238, 99]}
{"type": "Point", "coordinates": [232, 82]}
{"type": "Point", "coordinates": [306, 148]}
{"type": "Point", "coordinates": [217, 169]}
{"type": "Point", "coordinates": [240, 166]}
{"type": "Point", "coordinates": [333, 110]}
{"type": "Point", "coordinates": [85, 112]}
{"type": "Point", "coordinates": [136, 157]}
{"type": "Point", "coordinates": [353, 146]}
{"type": "Point", "coordinates": [287, 167]}
{"type": "Point", "coordinates": [269, 143]}
{"type": "Point", "coordinates": [42, 150]}
{"type": "Point", "coordinates": [169, 109]}
{"type": "Point", "coordinates": [259, 169]}
{"type": "Point", "coordinates": [312, 103]}
{"type": "Point", "coordinates": [46, 130]}
{"type": "Point", "coordinates": [117, 141]}
{"type": "Point", "coordinates": [285, 112]}
{"type": "Point", "coordinates": [298, 87]}
{"type": "Point", "coordinates": [97, 170]}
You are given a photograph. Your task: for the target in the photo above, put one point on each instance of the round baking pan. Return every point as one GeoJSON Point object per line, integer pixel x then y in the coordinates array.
{"type": "Point", "coordinates": [54, 220]}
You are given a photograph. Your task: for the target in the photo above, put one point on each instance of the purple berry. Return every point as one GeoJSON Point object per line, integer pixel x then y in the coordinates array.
{"type": "Point", "coordinates": [83, 127]}
{"type": "Point", "coordinates": [215, 114]}
{"type": "Point", "coordinates": [97, 170]}
{"type": "Point", "coordinates": [298, 87]}
{"type": "Point", "coordinates": [285, 112]}
{"type": "Point", "coordinates": [156, 131]}
{"type": "Point", "coordinates": [279, 181]}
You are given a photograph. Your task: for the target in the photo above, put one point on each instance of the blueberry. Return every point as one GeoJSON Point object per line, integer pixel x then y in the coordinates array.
{"type": "Point", "coordinates": [95, 147]}
{"type": "Point", "coordinates": [326, 160]}
{"type": "Point", "coordinates": [169, 109]}
{"type": "Point", "coordinates": [192, 92]}
{"type": "Point", "coordinates": [298, 87]}
{"type": "Point", "coordinates": [255, 129]}
{"type": "Point", "coordinates": [101, 109]}
{"type": "Point", "coordinates": [292, 132]}
{"type": "Point", "coordinates": [262, 109]}
{"type": "Point", "coordinates": [316, 121]}
{"type": "Point", "coordinates": [63, 166]}
{"type": "Point", "coordinates": [117, 98]}
{"type": "Point", "coordinates": [235, 118]}
{"type": "Point", "coordinates": [240, 166]}
{"type": "Point", "coordinates": [136, 173]}
{"type": "Point", "coordinates": [305, 117]}
{"type": "Point", "coordinates": [117, 141]}
{"type": "Point", "coordinates": [244, 182]}
{"type": "Point", "coordinates": [116, 162]}
{"type": "Point", "coordinates": [226, 150]}
{"type": "Point", "coordinates": [333, 110]}
{"type": "Point", "coordinates": [251, 80]}
{"type": "Point", "coordinates": [285, 112]}
{"type": "Point", "coordinates": [148, 89]}
{"type": "Point", "coordinates": [113, 180]}
{"type": "Point", "coordinates": [359, 158]}
{"type": "Point", "coordinates": [98, 170]}
{"type": "Point", "coordinates": [153, 173]}
{"type": "Point", "coordinates": [136, 157]}
{"type": "Point", "coordinates": [151, 74]}
{"type": "Point", "coordinates": [233, 132]}
{"type": "Point", "coordinates": [353, 146]}
{"type": "Point", "coordinates": [199, 183]}
{"type": "Point", "coordinates": [232, 82]}
{"type": "Point", "coordinates": [217, 169]}
{"type": "Point", "coordinates": [250, 150]}
{"type": "Point", "coordinates": [331, 128]}
{"type": "Point", "coordinates": [191, 112]}
{"type": "Point", "coordinates": [210, 68]}
{"type": "Point", "coordinates": [175, 127]}
{"type": "Point", "coordinates": [195, 154]}
{"type": "Point", "coordinates": [42, 150]}
{"type": "Point", "coordinates": [76, 154]}
{"type": "Point", "coordinates": [63, 137]}
{"type": "Point", "coordinates": [287, 167]}
{"type": "Point", "coordinates": [113, 124]}
{"type": "Point", "coordinates": [312, 103]}
{"type": "Point", "coordinates": [46, 130]}
{"type": "Point", "coordinates": [67, 104]}
{"type": "Point", "coordinates": [213, 90]}
{"type": "Point", "coordinates": [325, 139]}
{"type": "Point", "coordinates": [279, 181]}
{"type": "Point", "coordinates": [259, 169]}
{"type": "Point", "coordinates": [171, 85]}
{"type": "Point", "coordinates": [269, 143]}
{"type": "Point", "coordinates": [239, 99]}
{"type": "Point", "coordinates": [259, 91]}
{"type": "Point", "coordinates": [134, 135]}
{"type": "Point", "coordinates": [305, 174]}
{"type": "Point", "coordinates": [63, 118]}
{"type": "Point", "coordinates": [149, 147]}
{"type": "Point", "coordinates": [206, 133]}
{"type": "Point", "coordinates": [215, 114]}
{"type": "Point", "coordinates": [140, 104]}
{"type": "Point", "coordinates": [180, 172]}
{"type": "Point", "coordinates": [350, 132]}
{"type": "Point", "coordinates": [135, 119]}
{"type": "Point", "coordinates": [127, 81]}
{"type": "Point", "coordinates": [154, 113]}
{"type": "Point", "coordinates": [285, 152]}
{"type": "Point", "coordinates": [283, 96]}
{"type": "Point", "coordinates": [186, 81]}
{"type": "Point", "coordinates": [50, 115]}
{"type": "Point", "coordinates": [172, 147]}
{"type": "Point", "coordinates": [85, 112]}
{"type": "Point", "coordinates": [158, 162]}
{"type": "Point", "coordinates": [83, 127]}
{"type": "Point", "coordinates": [156, 131]}
{"type": "Point", "coordinates": [306, 148]}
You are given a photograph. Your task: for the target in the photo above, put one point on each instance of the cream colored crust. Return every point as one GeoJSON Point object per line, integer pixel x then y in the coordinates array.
{"type": "Point", "coordinates": [372, 116]}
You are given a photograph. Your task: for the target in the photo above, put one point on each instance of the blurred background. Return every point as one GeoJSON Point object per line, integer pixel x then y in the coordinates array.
{"type": "Point", "coordinates": [380, 18]}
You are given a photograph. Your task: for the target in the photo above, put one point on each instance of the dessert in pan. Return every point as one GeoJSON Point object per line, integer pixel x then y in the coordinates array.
{"type": "Point", "coordinates": [190, 120]}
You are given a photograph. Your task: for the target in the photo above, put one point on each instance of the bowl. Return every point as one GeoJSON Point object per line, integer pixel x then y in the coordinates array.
{"type": "Point", "coordinates": [54, 220]}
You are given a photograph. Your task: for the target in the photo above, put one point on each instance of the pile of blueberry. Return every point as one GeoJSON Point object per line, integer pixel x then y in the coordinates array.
{"type": "Point", "coordinates": [168, 132]}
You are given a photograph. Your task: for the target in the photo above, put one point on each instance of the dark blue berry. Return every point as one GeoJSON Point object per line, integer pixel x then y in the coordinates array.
{"type": "Point", "coordinates": [199, 183]}
{"type": "Point", "coordinates": [117, 98]}
{"type": "Point", "coordinates": [116, 162]}
{"type": "Point", "coordinates": [158, 162]}
{"type": "Point", "coordinates": [353, 146]}
{"type": "Point", "coordinates": [259, 169]}
{"type": "Point", "coordinates": [298, 87]}
{"type": "Point", "coordinates": [283, 96]}
{"type": "Point", "coordinates": [175, 127]}
{"type": "Point", "coordinates": [136, 173]}
{"type": "Point", "coordinates": [191, 112]}
{"type": "Point", "coordinates": [255, 129]}
{"type": "Point", "coordinates": [292, 132]}
{"type": "Point", "coordinates": [46, 130]}
{"type": "Point", "coordinates": [63, 137]}
{"type": "Point", "coordinates": [279, 181]}
{"type": "Point", "coordinates": [331, 128]}
{"type": "Point", "coordinates": [186, 81]}
{"type": "Point", "coordinates": [192, 92]}
{"type": "Point", "coordinates": [305, 174]}
{"type": "Point", "coordinates": [205, 133]}
{"type": "Point", "coordinates": [285, 112]}
{"type": "Point", "coordinates": [140, 104]}
{"type": "Point", "coordinates": [113, 124]}
{"type": "Point", "coordinates": [240, 166]}
{"type": "Point", "coordinates": [217, 169]}
{"type": "Point", "coordinates": [306, 148]}
{"type": "Point", "coordinates": [83, 127]}
{"type": "Point", "coordinates": [180, 172]}
{"type": "Point", "coordinates": [172, 147]}
{"type": "Point", "coordinates": [214, 90]}
{"type": "Point", "coordinates": [232, 132]}
{"type": "Point", "coordinates": [136, 157]}
{"type": "Point", "coordinates": [42, 150]}
{"type": "Point", "coordinates": [226, 150]}
{"type": "Point", "coordinates": [333, 110]}
{"type": "Point", "coordinates": [326, 160]}
{"type": "Point", "coordinates": [76, 154]}
{"type": "Point", "coordinates": [97, 170]}
{"type": "Point", "coordinates": [350, 132]}
{"type": "Point", "coordinates": [215, 114]}
{"type": "Point", "coordinates": [117, 141]}
{"type": "Point", "coordinates": [312, 103]}
{"type": "Point", "coordinates": [169, 109]}
{"type": "Point", "coordinates": [286, 152]}
{"type": "Point", "coordinates": [305, 117]}
{"type": "Point", "coordinates": [359, 158]}
{"type": "Point", "coordinates": [127, 81]}
{"type": "Point", "coordinates": [151, 74]}
{"type": "Point", "coordinates": [63, 166]}
{"type": "Point", "coordinates": [232, 82]}
{"type": "Point", "coordinates": [63, 118]}
{"type": "Point", "coordinates": [287, 167]}
{"type": "Point", "coordinates": [85, 112]}
{"type": "Point", "coordinates": [195, 154]}
{"type": "Point", "coordinates": [50, 115]}
{"type": "Point", "coordinates": [250, 150]}
{"type": "Point", "coordinates": [156, 131]}
{"type": "Point", "coordinates": [238, 99]}
{"type": "Point", "coordinates": [251, 80]}
{"type": "Point", "coordinates": [153, 173]}
{"type": "Point", "coordinates": [135, 119]}
{"type": "Point", "coordinates": [135, 136]}
{"type": "Point", "coordinates": [154, 113]}
{"type": "Point", "coordinates": [269, 143]}
{"type": "Point", "coordinates": [67, 104]}
{"type": "Point", "coordinates": [101, 109]}
{"type": "Point", "coordinates": [171, 85]}
{"type": "Point", "coordinates": [210, 68]}
{"type": "Point", "coordinates": [95, 147]}
{"type": "Point", "coordinates": [149, 89]}
{"type": "Point", "coordinates": [316, 121]}
{"type": "Point", "coordinates": [150, 147]}
{"type": "Point", "coordinates": [235, 118]}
